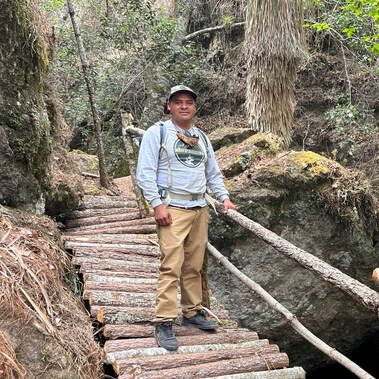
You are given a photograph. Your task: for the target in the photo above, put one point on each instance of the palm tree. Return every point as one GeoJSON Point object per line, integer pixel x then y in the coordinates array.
{"type": "Point", "coordinates": [273, 44]}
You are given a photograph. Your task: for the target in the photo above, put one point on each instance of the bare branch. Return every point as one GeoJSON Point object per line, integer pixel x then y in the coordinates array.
{"type": "Point", "coordinates": [292, 320]}
{"type": "Point", "coordinates": [211, 30]}
{"type": "Point", "coordinates": [354, 288]}
{"type": "Point", "coordinates": [104, 180]}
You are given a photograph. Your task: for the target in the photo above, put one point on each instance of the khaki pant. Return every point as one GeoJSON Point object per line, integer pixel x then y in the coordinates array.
{"type": "Point", "coordinates": [182, 246]}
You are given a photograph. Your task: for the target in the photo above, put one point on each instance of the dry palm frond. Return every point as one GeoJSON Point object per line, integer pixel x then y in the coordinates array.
{"type": "Point", "coordinates": [273, 46]}
{"type": "Point", "coordinates": [32, 292]}
{"type": "Point", "coordinates": [9, 366]}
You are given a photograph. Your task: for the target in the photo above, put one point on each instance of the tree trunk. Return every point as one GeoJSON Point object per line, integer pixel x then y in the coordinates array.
{"type": "Point", "coordinates": [187, 359]}
{"type": "Point", "coordinates": [221, 336]}
{"type": "Point", "coordinates": [218, 368]}
{"type": "Point", "coordinates": [273, 46]}
{"type": "Point", "coordinates": [104, 180]}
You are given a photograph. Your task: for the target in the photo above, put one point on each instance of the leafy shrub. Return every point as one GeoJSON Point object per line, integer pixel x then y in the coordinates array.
{"type": "Point", "coordinates": [353, 23]}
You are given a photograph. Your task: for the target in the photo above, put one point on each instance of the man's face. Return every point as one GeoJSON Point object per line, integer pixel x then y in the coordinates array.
{"type": "Point", "coordinates": [182, 107]}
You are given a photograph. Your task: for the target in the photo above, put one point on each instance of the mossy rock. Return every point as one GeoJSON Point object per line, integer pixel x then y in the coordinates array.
{"type": "Point", "coordinates": [88, 163]}
{"type": "Point", "coordinates": [23, 112]}
{"type": "Point", "coordinates": [345, 194]}
{"type": "Point", "coordinates": [92, 189]}
{"type": "Point", "coordinates": [237, 158]}
{"type": "Point", "coordinates": [227, 136]}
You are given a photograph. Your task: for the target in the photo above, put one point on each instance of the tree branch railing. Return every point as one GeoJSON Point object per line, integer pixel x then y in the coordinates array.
{"type": "Point", "coordinates": [211, 30]}
{"type": "Point", "coordinates": [128, 134]}
{"type": "Point", "coordinates": [291, 318]}
{"type": "Point", "coordinates": [354, 288]}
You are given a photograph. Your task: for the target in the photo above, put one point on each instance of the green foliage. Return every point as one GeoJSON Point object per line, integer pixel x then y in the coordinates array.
{"type": "Point", "coordinates": [52, 5]}
{"type": "Point", "coordinates": [126, 43]}
{"type": "Point", "coordinates": [351, 125]}
{"type": "Point", "coordinates": [133, 55]}
{"type": "Point", "coordinates": [354, 23]}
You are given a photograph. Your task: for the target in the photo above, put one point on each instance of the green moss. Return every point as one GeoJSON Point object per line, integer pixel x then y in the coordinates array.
{"type": "Point", "coordinates": [314, 164]}
{"type": "Point", "coordinates": [92, 190]}
{"type": "Point", "coordinates": [23, 113]}
{"type": "Point", "coordinates": [237, 158]}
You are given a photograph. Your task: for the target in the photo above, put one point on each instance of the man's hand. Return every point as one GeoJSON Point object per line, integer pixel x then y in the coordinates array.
{"type": "Point", "coordinates": [162, 216]}
{"type": "Point", "coordinates": [228, 205]}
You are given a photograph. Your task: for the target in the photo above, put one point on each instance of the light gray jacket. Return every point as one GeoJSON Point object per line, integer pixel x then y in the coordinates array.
{"type": "Point", "coordinates": [192, 169]}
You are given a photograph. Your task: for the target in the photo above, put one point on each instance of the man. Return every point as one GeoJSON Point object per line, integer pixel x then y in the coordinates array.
{"type": "Point", "coordinates": [176, 162]}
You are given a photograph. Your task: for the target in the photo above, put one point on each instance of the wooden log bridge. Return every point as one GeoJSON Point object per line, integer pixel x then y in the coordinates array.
{"type": "Point", "coordinates": [118, 254]}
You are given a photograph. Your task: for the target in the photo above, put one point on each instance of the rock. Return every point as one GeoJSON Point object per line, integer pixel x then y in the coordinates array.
{"type": "Point", "coordinates": [88, 163]}
{"type": "Point", "coordinates": [237, 158]}
{"type": "Point", "coordinates": [319, 206]}
{"type": "Point", "coordinates": [25, 128]}
{"type": "Point", "coordinates": [226, 136]}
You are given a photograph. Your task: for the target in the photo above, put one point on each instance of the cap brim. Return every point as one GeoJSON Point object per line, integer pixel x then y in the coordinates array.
{"type": "Point", "coordinates": [193, 94]}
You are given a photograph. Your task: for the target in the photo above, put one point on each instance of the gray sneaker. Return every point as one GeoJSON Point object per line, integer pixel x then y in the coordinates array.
{"type": "Point", "coordinates": [165, 337]}
{"type": "Point", "coordinates": [199, 321]}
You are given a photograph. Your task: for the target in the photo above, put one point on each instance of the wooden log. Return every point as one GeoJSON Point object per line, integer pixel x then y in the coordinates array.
{"type": "Point", "coordinates": [136, 239]}
{"type": "Point", "coordinates": [119, 298]}
{"type": "Point", "coordinates": [291, 318]}
{"type": "Point", "coordinates": [357, 290]}
{"type": "Point", "coordinates": [187, 359]}
{"type": "Point", "coordinates": [123, 315]}
{"type": "Point", "coordinates": [100, 277]}
{"type": "Point", "coordinates": [123, 266]}
{"type": "Point", "coordinates": [227, 366]}
{"type": "Point", "coordinates": [106, 201]}
{"type": "Point", "coordinates": [146, 330]}
{"type": "Point", "coordinates": [106, 204]}
{"type": "Point", "coordinates": [125, 287]}
{"type": "Point", "coordinates": [99, 226]}
{"type": "Point", "coordinates": [80, 255]}
{"type": "Point", "coordinates": [116, 356]}
{"type": "Point", "coordinates": [95, 220]}
{"type": "Point", "coordinates": [130, 273]}
{"type": "Point", "coordinates": [284, 373]}
{"type": "Point", "coordinates": [141, 229]}
{"type": "Point", "coordinates": [107, 263]}
{"type": "Point", "coordinates": [120, 274]}
{"type": "Point", "coordinates": [129, 207]}
{"type": "Point", "coordinates": [152, 251]}
{"type": "Point", "coordinates": [221, 336]}
{"type": "Point", "coordinates": [104, 198]}
{"type": "Point", "coordinates": [115, 274]}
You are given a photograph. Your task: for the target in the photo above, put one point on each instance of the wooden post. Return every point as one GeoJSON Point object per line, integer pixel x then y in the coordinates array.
{"type": "Point", "coordinates": [126, 120]}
